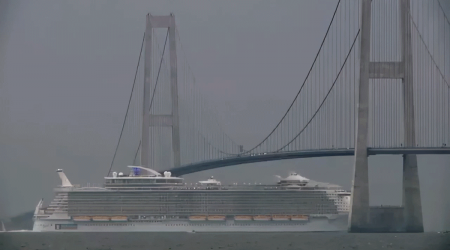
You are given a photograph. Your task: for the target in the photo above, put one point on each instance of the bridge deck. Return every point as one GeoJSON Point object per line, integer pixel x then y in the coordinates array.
{"type": "Point", "coordinates": [245, 159]}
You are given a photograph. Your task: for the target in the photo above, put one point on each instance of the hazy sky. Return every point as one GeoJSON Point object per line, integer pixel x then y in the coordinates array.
{"type": "Point", "coordinates": [66, 68]}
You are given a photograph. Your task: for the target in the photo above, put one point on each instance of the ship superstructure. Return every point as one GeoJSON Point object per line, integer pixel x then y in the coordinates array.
{"type": "Point", "coordinates": [145, 200]}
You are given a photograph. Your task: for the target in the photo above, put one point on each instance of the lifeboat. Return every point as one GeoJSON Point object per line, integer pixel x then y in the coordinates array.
{"type": "Point", "coordinates": [216, 217]}
{"type": "Point", "coordinates": [81, 218]}
{"type": "Point", "coordinates": [242, 217]}
{"type": "Point", "coordinates": [281, 217]}
{"type": "Point", "coordinates": [197, 218]}
{"type": "Point", "coordinates": [119, 218]}
{"type": "Point", "coordinates": [299, 217]}
{"type": "Point", "coordinates": [262, 217]}
{"type": "Point", "coordinates": [100, 218]}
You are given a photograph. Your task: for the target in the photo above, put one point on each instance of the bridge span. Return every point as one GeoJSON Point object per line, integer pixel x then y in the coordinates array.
{"type": "Point", "coordinates": [254, 158]}
{"type": "Point", "coordinates": [362, 95]}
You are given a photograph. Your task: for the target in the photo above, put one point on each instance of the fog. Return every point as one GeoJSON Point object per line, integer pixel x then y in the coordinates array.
{"type": "Point", "coordinates": [66, 69]}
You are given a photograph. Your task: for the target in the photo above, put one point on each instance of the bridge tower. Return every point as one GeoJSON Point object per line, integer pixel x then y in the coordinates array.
{"type": "Point", "coordinates": [359, 218]}
{"type": "Point", "coordinates": [166, 120]}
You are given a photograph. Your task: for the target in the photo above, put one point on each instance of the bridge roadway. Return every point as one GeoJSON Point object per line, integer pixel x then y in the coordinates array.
{"type": "Point", "coordinates": [245, 159]}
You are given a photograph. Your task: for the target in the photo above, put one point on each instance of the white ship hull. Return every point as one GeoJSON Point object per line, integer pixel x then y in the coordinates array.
{"type": "Point", "coordinates": [166, 204]}
{"type": "Point", "coordinates": [318, 224]}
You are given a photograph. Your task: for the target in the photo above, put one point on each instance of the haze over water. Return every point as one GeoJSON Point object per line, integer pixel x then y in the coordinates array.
{"type": "Point", "coordinates": [66, 69]}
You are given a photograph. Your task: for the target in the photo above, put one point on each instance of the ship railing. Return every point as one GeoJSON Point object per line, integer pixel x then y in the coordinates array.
{"type": "Point", "coordinates": [386, 206]}
{"type": "Point", "coordinates": [89, 185]}
{"type": "Point", "coordinates": [231, 187]}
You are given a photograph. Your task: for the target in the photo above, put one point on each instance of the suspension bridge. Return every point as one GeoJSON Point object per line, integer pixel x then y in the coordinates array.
{"type": "Point", "coordinates": [379, 84]}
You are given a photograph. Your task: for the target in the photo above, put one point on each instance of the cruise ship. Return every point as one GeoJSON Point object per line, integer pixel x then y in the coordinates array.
{"type": "Point", "coordinates": [147, 201]}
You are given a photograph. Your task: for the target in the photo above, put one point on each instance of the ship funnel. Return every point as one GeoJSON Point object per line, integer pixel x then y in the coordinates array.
{"type": "Point", "coordinates": [63, 177]}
